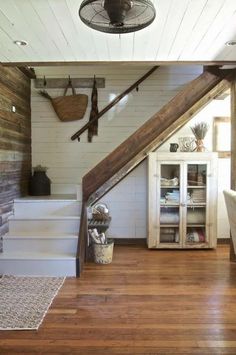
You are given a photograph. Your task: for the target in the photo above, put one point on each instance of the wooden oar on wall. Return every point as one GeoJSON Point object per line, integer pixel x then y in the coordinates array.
{"type": "Point", "coordinates": [112, 103]}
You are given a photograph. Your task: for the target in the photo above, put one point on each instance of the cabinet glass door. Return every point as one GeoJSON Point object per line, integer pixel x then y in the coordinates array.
{"type": "Point", "coordinates": [169, 212]}
{"type": "Point", "coordinates": [196, 202]}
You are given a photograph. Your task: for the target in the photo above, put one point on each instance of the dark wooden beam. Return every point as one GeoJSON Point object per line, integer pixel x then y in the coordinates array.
{"type": "Point", "coordinates": [28, 71]}
{"type": "Point", "coordinates": [153, 133]}
{"type": "Point", "coordinates": [120, 63]}
{"type": "Point", "coordinates": [233, 152]}
{"type": "Point", "coordinates": [112, 103]}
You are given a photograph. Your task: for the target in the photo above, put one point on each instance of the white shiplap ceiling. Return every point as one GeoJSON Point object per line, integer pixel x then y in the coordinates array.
{"type": "Point", "coordinates": [184, 30]}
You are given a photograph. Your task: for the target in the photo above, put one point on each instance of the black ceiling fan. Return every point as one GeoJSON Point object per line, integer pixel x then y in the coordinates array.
{"type": "Point", "coordinates": [117, 16]}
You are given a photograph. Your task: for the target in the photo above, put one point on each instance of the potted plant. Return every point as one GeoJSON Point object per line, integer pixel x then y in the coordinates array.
{"type": "Point", "coordinates": [39, 184]}
{"type": "Point", "coordinates": [200, 131]}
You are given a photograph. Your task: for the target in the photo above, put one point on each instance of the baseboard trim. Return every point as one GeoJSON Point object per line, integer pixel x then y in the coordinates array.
{"type": "Point", "coordinates": [223, 241]}
{"type": "Point", "coordinates": [130, 241]}
{"type": "Point", "coordinates": [143, 241]}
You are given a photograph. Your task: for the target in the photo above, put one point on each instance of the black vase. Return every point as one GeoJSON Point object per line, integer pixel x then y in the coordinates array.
{"type": "Point", "coordinates": [39, 184]}
{"type": "Point", "coordinates": [174, 147]}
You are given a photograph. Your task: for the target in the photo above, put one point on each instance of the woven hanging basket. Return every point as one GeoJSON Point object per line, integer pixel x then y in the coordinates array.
{"type": "Point", "coordinates": [68, 108]}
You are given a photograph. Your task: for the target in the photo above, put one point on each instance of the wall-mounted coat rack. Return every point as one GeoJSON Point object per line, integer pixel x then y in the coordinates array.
{"type": "Point", "coordinates": [61, 83]}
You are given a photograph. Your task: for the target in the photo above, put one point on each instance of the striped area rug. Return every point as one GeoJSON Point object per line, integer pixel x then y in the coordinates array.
{"type": "Point", "coordinates": [24, 301]}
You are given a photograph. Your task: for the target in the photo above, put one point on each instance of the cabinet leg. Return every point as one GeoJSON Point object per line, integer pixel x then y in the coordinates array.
{"type": "Point", "coordinates": [232, 255]}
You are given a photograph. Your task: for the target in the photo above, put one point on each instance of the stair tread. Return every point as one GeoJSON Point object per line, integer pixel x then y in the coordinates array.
{"type": "Point", "coordinates": [50, 198]}
{"type": "Point", "coordinates": [43, 236]}
{"type": "Point", "coordinates": [46, 218]}
{"type": "Point", "coordinates": [36, 256]}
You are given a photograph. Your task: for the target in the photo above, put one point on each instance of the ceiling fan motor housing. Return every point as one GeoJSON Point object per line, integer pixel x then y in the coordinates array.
{"type": "Point", "coordinates": [117, 10]}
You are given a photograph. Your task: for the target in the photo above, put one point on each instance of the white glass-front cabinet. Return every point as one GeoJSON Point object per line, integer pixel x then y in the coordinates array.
{"type": "Point", "coordinates": [182, 200]}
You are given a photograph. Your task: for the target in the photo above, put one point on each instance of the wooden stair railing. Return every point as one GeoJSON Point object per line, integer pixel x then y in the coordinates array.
{"type": "Point", "coordinates": [112, 103]}
{"type": "Point", "coordinates": [193, 97]}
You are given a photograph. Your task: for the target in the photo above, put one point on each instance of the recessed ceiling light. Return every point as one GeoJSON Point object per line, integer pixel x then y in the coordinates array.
{"type": "Point", "coordinates": [21, 42]}
{"type": "Point", "coordinates": [231, 43]}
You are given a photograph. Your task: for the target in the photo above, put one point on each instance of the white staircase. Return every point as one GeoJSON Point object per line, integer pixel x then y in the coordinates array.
{"type": "Point", "coordinates": [42, 238]}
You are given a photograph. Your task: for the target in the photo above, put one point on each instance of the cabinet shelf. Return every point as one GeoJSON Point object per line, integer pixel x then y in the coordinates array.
{"type": "Point", "coordinates": [196, 225]}
{"type": "Point", "coordinates": [196, 204]}
{"type": "Point", "coordinates": [197, 244]}
{"type": "Point", "coordinates": [170, 187]}
{"type": "Point", "coordinates": [169, 225]}
{"type": "Point", "coordinates": [196, 187]}
{"type": "Point", "coordinates": [169, 205]}
{"type": "Point", "coordinates": [169, 243]}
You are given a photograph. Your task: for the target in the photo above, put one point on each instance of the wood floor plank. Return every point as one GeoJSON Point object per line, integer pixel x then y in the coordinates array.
{"type": "Point", "coordinates": [144, 303]}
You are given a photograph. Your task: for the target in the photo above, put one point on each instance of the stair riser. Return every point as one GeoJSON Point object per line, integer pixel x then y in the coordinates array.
{"type": "Point", "coordinates": [42, 227]}
{"type": "Point", "coordinates": [43, 245]}
{"type": "Point", "coordinates": [38, 267]}
{"type": "Point", "coordinates": [47, 208]}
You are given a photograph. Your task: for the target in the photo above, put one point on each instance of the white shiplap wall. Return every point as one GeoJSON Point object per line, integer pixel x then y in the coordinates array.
{"type": "Point", "coordinates": [68, 161]}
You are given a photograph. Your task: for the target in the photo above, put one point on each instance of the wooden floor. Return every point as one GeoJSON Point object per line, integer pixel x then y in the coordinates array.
{"type": "Point", "coordinates": [145, 302]}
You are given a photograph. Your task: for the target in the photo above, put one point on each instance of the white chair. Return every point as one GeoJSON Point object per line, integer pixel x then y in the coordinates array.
{"type": "Point", "coordinates": [230, 201]}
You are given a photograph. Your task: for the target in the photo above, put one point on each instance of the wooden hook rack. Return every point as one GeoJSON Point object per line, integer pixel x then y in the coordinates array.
{"type": "Point", "coordinates": [61, 83]}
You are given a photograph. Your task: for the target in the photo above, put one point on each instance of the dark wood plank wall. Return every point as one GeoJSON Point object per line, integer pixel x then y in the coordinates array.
{"type": "Point", "coordinates": [15, 139]}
